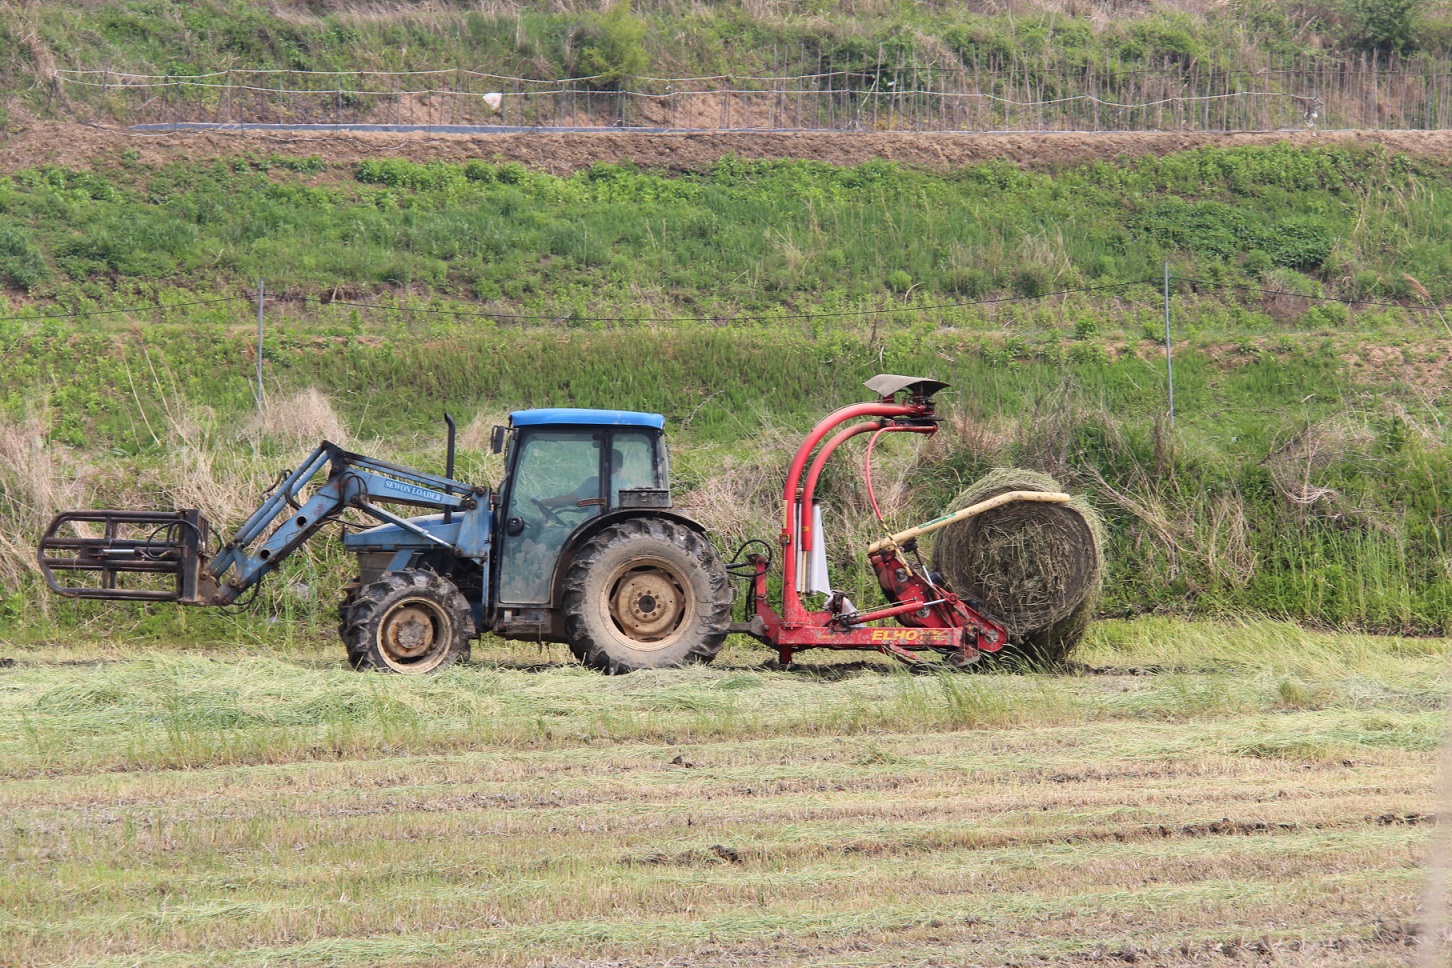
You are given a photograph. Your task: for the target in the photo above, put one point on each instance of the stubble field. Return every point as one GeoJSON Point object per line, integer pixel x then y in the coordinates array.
{"type": "Point", "coordinates": [1187, 793]}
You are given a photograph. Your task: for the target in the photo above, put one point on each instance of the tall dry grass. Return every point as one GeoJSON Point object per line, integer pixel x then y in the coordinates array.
{"type": "Point", "coordinates": [1101, 12]}
{"type": "Point", "coordinates": [37, 479]}
{"type": "Point", "coordinates": [1198, 538]}
{"type": "Point", "coordinates": [740, 498]}
{"type": "Point", "coordinates": [475, 434]}
{"type": "Point", "coordinates": [1302, 534]}
{"type": "Point", "coordinates": [224, 474]}
{"type": "Point", "coordinates": [304, 417]}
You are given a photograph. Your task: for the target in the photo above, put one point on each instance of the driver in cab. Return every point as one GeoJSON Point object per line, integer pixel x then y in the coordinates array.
{"type": "Point", "coordinates": [588, 493]}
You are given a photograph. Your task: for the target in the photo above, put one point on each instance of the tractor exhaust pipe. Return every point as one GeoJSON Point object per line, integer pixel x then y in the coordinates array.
{"type": "Point", "coordinates": [449, 459]}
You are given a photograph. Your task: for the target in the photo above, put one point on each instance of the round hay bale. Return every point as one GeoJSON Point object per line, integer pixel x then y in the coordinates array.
{"type": "Point", "coordinates": [1036, 568]}
{"type": "Point", "coordinates": [1049, 647]}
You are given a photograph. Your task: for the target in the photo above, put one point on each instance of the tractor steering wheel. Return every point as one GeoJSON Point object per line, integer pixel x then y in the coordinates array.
{"type": "Point", "coordinates": [549, 512]}
{"type": "Point", "coordinates": [553, 514]}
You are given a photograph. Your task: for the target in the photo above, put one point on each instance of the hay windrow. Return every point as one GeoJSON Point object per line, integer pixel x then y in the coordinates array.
{"type": "Point", "coordinates": [1036, 568]}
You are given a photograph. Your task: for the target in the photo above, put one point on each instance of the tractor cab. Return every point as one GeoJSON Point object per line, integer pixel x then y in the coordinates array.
{"type": "Point", "coordinates": [566, 470]}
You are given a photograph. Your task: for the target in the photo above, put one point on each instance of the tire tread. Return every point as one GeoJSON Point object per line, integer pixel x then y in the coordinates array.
{"type": "Point", "coordinates": [362, 610]}
{"type": "Point", "coordinates": [714, 616]}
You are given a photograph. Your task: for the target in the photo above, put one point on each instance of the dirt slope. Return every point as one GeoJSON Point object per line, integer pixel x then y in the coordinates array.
{"type": "Point", "coordinates": [80, 144]}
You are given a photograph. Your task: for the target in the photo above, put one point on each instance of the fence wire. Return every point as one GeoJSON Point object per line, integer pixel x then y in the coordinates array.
{"type": "Point", "coordinates": [1367, 93]}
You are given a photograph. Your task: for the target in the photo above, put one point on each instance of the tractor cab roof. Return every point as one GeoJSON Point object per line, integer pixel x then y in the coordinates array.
{"type": "Point", "coordinates": [568, 416]}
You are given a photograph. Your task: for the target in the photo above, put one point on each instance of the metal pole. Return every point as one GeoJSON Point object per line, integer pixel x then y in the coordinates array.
{"type": "Point", "coordinates": [259, 347]}
{"type": "Point", "coordinates": [1169, 361]}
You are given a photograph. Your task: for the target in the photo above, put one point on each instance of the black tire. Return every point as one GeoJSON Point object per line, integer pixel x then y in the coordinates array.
{"type": "Point", "coordinates": [646, 594]}
{"type": "Point", "coordinates": [412, 621]}
{"type": "Point", "coordinates": [345, 608]}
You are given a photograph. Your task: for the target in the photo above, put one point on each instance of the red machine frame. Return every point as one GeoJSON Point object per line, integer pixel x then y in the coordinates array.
{"type": "Point", "coordinates": [930, 617]}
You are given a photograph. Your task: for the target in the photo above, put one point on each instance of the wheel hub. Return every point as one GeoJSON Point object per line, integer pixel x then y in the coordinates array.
{"type": "Point", "coordinates": [647, 604]}
{"type": "Point", "coordinates": [409, 632]}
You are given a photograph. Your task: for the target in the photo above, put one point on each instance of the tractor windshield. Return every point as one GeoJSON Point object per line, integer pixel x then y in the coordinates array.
{"type": "Point", "coordinates": [556, 488]}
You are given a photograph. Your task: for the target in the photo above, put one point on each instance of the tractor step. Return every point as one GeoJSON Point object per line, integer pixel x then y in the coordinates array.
{"type": "Point", "coordinates": [139, 556]}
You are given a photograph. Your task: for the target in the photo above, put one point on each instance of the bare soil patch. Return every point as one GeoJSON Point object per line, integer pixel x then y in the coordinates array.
{"type": "Point", "coordinates": [88, 145]}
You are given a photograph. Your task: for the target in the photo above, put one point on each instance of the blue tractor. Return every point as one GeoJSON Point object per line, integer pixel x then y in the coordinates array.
{"type": "Point", "coordinates": [580, 544]}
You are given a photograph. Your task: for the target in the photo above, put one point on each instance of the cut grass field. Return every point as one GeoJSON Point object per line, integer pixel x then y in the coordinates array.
{"type": "Point", "coordinates": [1188, 791]}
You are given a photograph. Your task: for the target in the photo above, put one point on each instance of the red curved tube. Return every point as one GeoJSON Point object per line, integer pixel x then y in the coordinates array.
{"type": "Point", "coordinates": [809, 489]}
{"type": "Point", "coordinates": [790, 600]}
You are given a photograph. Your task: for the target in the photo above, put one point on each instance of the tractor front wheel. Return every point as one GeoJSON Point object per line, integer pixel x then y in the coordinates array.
{"type": "Point", "coordinates": [345, 608]}
{"type": "Point", "coordinates": [646, 594]}
{"type": "Point", "coordinates": [411, 621]}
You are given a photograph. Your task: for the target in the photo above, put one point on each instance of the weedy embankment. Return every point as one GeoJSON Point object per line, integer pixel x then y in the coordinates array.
{"type": "Point", "coordinates": [1326, 515]}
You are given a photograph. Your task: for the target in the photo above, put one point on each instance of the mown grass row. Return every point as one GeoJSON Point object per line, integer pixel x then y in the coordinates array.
{"type": "Point", "coordinates": [137, 708]}
{"type": "Point", "coordinates": [257, 804]}
{"type": "Point", "coordinates": [1249, 786]}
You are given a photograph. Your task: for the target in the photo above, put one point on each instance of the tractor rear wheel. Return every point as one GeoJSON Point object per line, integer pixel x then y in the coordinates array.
{"type": "Point", "coordinates": [646, 594]}
{"type": "Point", "coordinates": [411, 621]}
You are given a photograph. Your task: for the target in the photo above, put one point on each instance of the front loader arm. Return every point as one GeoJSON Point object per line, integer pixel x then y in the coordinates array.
{"type": "Point", "coordinates": [353, 481]}
{"type": "Point", "coordinates": [173, 543]}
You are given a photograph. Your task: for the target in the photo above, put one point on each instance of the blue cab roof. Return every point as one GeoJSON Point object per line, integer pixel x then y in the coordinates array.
{"type": "Point", "coordinates": [599, 418]}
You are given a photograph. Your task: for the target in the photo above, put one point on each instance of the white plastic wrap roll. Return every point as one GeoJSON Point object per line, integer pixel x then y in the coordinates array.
{"type": "Point", "coordinates": [812, 571]}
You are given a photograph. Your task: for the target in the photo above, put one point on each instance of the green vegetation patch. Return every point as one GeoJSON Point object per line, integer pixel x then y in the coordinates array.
{"type": "Point", "coordinates": [741, 236]}
{"type": "Point", "coordinates": [1306, 476]}
{"type": "Point", "coordinates": [667, 38]}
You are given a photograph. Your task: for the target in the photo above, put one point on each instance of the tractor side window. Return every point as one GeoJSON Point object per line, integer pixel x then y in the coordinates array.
{"type": "Point", "coordinates": [632, 459]}
{"type": "Point", "coordinates": [556, 488]}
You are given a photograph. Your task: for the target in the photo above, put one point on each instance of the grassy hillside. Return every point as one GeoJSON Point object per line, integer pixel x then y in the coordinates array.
{"type": "Point", "coordinates": [1039, 49]}
{"type": "Point", "coordinates": [1306, 475]}
{"type": "Point", "coordinates": [1289, 486]}
{"type": "Point", "coordinates": [673, 38]}
{"type": "Point", "coordinates": [741, 236]}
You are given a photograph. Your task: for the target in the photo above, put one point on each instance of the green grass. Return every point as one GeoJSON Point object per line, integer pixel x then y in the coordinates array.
{"type": "Point", "coordinates": [251, 806]}
{"type": "Point", "coordinates": [744, 237]}
{"type": "Point", "coordinates": [1306, 476]}
{"type": "Point", "coordinates": [668, 38]}
{"type": "Point", "coordinates": [138, 707]}
{"type": "Point", "coordinates": [1199, 520]}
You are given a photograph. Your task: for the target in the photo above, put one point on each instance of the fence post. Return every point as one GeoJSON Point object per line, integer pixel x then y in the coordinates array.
{"type": "Point", "coordinates": [260, 393]}
{"type": "Point", "coordinates": [1169, 361]}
